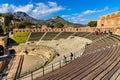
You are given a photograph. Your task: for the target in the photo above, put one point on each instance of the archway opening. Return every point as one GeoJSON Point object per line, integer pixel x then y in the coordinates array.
{"type": "Point", "coordinates": [102, 24]}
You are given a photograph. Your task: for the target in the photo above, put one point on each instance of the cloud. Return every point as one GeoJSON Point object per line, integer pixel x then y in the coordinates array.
{"type": "Point", "coordinates": [89, 12]}
{"type": "Point", "coordinates": [75, 18]}
{"type": "Point", "coordinates": [4, 8]}
{"type": "Point", "coordinates": [37, 10]}
{"type": "Point", "coordinates": [81, 17]}
{"type": "Point", "coordinates": [95, 11]}
{"type": "Point", "coordinates": [52, 4]}
{"type": "Point", "coordinates": [27, 8]}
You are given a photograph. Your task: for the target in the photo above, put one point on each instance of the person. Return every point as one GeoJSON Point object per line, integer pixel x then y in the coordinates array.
{"type": "Point", "coordinates": [96, 32]}
{"type": "Point", "coordinates": [110, 33]}
{"type": "Point", "coordinates": [71, 56]}
{"type": "Point", "coordinates": [65, 59]}
{"type": "Point", "coordinates": [105, 32]}
{"type": "Point", "coordinates": [101, 33]}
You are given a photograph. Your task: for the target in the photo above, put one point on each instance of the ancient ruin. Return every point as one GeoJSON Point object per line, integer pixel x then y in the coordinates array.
{"type": "Point", "coordinates": [109, 20]}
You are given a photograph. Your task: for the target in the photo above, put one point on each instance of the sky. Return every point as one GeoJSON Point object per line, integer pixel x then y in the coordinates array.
{"type": "Point", "coordinates": [76, 11]}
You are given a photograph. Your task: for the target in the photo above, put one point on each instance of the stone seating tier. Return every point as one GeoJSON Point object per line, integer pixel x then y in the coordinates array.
{"type": "Point", "coordinates": [101, 63]}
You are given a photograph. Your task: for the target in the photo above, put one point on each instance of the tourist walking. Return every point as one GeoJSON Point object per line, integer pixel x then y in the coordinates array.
{"type": "Point", "coordinates": [65, 59]}
{"type": "Point", "coordinates": [71, 56]}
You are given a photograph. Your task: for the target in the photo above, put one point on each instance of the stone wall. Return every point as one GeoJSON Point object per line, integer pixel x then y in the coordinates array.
{"type": "Point", "coordinates": [110, 20]}
{"type": "Point", "coordinates": [3, 42]}
{"type": "Point", "coordinates": [82, 29]}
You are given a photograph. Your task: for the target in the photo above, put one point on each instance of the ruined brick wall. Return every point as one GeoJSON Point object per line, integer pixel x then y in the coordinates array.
{"type": "Point", "coordinates": [110, 20]}
{"type": "Point", "coordinates": [3, 42]}
{"type": "Point", "coordinates": [82, 29]}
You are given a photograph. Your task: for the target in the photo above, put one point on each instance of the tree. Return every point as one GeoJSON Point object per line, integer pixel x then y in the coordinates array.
{"type": "Point", "coordinates": [0, 14]}
{"type": "Point", "coordinates": [26, 24]}
{"type": "Point", "coordinates": [8, 15]}
{"type": "Point", "coordinates": [59, 25]}
{"type": "Point", "coordinates": [1, 48]}
{"type": "Point", "coordinates": [50, 25]}
{"type": "Point", "coordinates": [7, 20]}
{"type": "Point", "coordinates": [5, 29]}
{"type": "Point", "coordinates": [23, 24]}
{"type": "Point", "coordinates": [1, 31]}
{"type": "Point", "coordinates": [92, 23]}
{"type": "Point", "coordinates": [20, 25]}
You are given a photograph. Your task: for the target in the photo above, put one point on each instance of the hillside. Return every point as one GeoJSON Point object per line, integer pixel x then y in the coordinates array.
{"type": "Point", "coordinates": [53, 20]}
{"type": "Point", "coordinates": [26, 17]}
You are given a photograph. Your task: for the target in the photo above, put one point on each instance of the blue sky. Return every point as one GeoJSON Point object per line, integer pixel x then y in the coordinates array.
{"type": "Point", "coordinates": [77, 11]}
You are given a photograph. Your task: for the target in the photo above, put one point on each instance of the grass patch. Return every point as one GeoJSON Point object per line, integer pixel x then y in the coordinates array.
{"type": "Point", "coordinates": [20, 37]}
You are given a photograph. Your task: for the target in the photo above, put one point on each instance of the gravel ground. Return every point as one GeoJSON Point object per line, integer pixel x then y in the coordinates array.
{"type": "Point", "coordinates": [65, 46]}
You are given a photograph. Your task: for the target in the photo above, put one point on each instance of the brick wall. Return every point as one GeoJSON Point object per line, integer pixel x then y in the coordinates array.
{"type": "Point", "coordinates": [85, 29]}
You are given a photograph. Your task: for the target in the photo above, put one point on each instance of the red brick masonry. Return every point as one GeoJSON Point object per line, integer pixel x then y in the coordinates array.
{"type": "Point", "coordinates": [85, 29]}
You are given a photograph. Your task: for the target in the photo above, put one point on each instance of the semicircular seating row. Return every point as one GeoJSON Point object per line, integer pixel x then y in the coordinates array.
{"type": "Point", "coordinates": [100, 61]}
{"type": "Point", "coordinates": [36, 36]}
